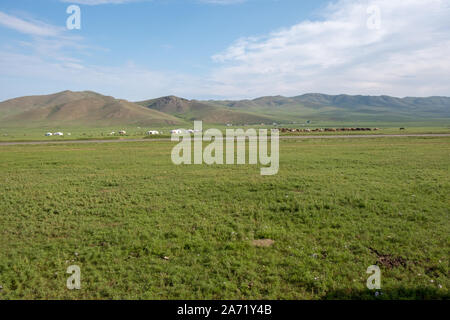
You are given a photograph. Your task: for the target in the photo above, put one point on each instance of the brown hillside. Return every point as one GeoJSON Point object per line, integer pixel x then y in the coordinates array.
{"type": "Point", "coordinates": [79, 108]}
{"type": "Point", "coordinates": [197, 110]}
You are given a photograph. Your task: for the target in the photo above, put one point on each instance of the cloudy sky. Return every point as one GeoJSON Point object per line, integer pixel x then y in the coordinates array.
{"type": "Point", "coordinates": [140, 49]}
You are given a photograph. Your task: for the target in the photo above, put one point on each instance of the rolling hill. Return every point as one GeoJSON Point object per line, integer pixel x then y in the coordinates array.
{"type": "Point", "coordinates": [79, 108]}
{"type": "Point", "coordinates": [88, 108]}
{"type": "Point", "coordinates": [344, 107]}
{"type": "Point", "coordinates": [196, 110]}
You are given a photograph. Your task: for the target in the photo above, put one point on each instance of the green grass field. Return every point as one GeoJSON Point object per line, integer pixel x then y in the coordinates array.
{"type": "Point", "coordinates": [133, 132]}
{"type": "Point", "coordinates": [142, 228]}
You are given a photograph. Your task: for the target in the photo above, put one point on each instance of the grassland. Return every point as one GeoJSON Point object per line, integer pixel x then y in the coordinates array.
{"type": "Point", "coordinates": [141, 228]}
{"type": "Point", "coordinates": [135, 132]}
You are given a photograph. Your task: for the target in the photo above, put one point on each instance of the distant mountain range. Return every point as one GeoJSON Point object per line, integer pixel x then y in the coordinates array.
{"type": "Point", "coordinates": [88, 108]}
{"type": "Point", "coordinates": [322, 107]}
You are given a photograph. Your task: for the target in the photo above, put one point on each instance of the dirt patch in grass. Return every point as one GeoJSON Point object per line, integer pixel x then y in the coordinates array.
{"type": "Point", "coordinates": [389, 261]}
{"type": "Point", "coordinates": [432, 272]}
{"type": "Point", "coordinates": [263, 242]}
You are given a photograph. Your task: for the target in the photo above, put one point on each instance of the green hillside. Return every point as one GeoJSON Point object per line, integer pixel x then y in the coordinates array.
{"type": "Point", "coordinates": [344, 108]}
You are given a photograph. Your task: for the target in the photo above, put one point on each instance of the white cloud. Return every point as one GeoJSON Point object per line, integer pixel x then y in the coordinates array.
{"type": "Point", "coordinates": [125, 81]}
{"type": "Point", "coordinates": [45, 40]}
{"type": "Point", "coordinates": [99, 2]}
{"type": "Point", "coordinates": [408, 55]}
{"type": "Point", "coordinates": [48, 62]}
{"type": "Point", "coordinates": [223, 2]}
{"type": "Point", "coordinates": [35, 28]}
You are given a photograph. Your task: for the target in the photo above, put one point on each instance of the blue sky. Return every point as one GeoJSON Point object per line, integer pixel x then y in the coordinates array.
{"type": "Point", "coordinates": [226, 48]}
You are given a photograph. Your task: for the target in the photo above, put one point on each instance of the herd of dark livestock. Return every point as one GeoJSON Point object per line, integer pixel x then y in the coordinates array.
{"type": "Point", "coordinates": [327, 129]}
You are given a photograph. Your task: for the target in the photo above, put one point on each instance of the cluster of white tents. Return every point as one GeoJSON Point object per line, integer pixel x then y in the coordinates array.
{"type": "Point", "coordinates": [181, 131]}
{"type": "Point", "coordinates": [49, 134]}
{"type": "Point", "coordinates": [123, 132]}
